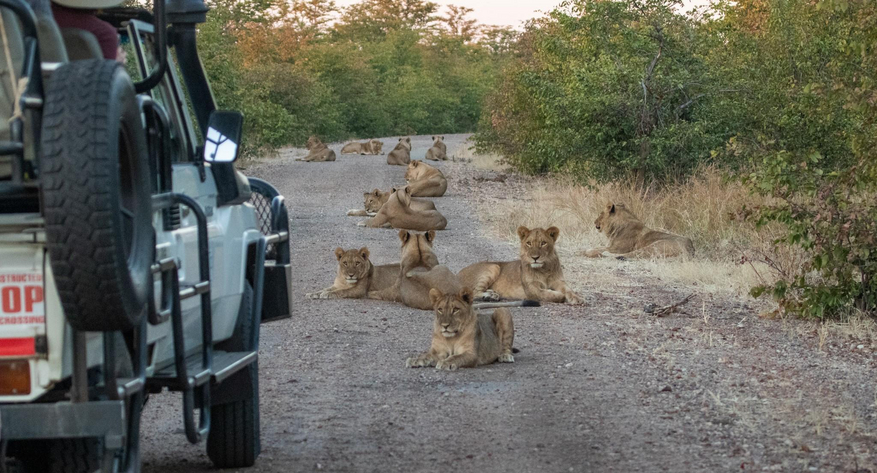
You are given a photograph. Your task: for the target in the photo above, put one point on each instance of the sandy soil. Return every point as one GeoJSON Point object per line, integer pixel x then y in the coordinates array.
{"type": "Point", "coordinates": [599, 387]}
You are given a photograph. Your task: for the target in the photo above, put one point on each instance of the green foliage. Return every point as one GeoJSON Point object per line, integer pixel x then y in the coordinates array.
{"type": "Point", "coordinates": [385, 67]}
{"type": "Point", "coordinates": [613, 87]}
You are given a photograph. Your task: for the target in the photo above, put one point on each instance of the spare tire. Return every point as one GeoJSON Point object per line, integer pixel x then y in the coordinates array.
{"type": "Point", "coordinates": [97, 195]}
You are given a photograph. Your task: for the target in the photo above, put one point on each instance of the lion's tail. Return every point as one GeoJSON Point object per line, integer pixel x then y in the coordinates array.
{"type": "Point", "coordinates": [497, 305]}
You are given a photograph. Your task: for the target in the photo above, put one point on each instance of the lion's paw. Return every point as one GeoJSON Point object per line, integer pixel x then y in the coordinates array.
{"type": "Point", "coordinates": [446, 366]}
{"type": "Point", "coordinates": [352, 212]}
{"type": "Point", "coordinates": [574, 299]}
{"type": "Point", "coordinates": [361, 223]}
{"type": "Point", "coordinates": [506, 358]}
{"type": "Point", "coordinates": [413, 362]}
{"type": "Point", "coordinates": [490, 296]}
{"type": "Point", "coordinates": [594, 253]}
{"type": "Point", "coordinates": [313, 295]}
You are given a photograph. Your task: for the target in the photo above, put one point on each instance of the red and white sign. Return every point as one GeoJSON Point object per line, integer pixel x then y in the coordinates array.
{"type": "Point", "coordinates": [21, 299]}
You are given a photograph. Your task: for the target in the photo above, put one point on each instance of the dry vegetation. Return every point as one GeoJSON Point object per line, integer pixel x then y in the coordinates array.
{"type": "Point", "coordinates": [731, 255]}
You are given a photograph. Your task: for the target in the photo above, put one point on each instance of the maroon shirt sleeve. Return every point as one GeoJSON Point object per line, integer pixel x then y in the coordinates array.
{"type": "Point", "coordinates": [106, 35]}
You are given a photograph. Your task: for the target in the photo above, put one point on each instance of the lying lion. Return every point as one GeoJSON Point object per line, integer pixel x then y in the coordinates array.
{"type": "Point", "coordinates": [398, 212]}
{"type": "Point", "coordinates": [463, 339]}
{"type": "Point", "coordinates": [318, 151]}
{"type": "Point", "coordinates": [630, 238]}
{"type": "Point", "coordinates": [420, 272]}
{"type": "Point", "coordinates": [401, 154]}
{"type": "Point", "coordinates": [536, 275]}
{"type": "Point", "coordinates": [425, 180]}
{"type": "Point", "coordinates": [357, 276]}
{"type": "Point", "coordinates": [439, 151]}
{"type": "Point", "coordinates": [376, 199]}
{"type": "Point", "coordinates": [371, 147]}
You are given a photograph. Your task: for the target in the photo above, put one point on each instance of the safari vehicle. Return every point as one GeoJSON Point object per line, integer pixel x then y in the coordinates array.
{"type": "Point", "coordinates": [134, 257]}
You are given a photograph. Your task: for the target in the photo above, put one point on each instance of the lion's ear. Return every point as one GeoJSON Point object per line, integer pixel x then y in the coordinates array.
{"type": "Point", "coordinates": [377, 192]}
{"type": "Point", "coordinates": [433, 138]}
{"type": "Point", "coordinates": [364, 252]}
{"type": "Point", "coordinates": [435, 296]}
{"type": "Point", "coordinates": [523, 232]}
{"type": "Point", "coordinates": [415, 163]}
{"type": "Point", "coordinates": [466, 295]}
{"type": "Point", "coordinates": [366, 194]}
{"type": "Point", "coordinates": [404, 236]}
{"type": "Point", "coordinates": [339, 252]}
{"type": "Point", "coordinates": [610, 208]}
{"type": "Point", "coordinates": [430, 236]}
{"type": "Point", "coordinates": [553, 232]}
{"type": "Point", "coordinates": [400, 139]}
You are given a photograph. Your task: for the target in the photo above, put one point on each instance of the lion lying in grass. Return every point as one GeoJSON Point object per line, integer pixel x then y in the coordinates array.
{"type": "Point", "coordinates": [463, 339]}
{"type": "Point", "coordinates": [318, 152]}
{"type": "Point", "coordinates": [630, 238]}
{"type": "Point", "coordinates": [438, 151]}
{"type": "Point", "coordinates": [376, 199]}
{"type": "Point", "coordinates": [401, 154]}
{"type": "Point", "coordinates": [536, 275]}
{"type": "Point", "coordinates": [425, 180]}
{"type": "Point", "coordinates": [398, 212]}
{"type": "Point", "coordinates": [370, 147]}
{"type": "Point", "coordinates": [357, 276]}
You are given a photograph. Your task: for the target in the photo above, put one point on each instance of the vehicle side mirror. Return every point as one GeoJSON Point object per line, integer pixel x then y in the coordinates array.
{"type": "Point", "coordinates": [222, 144]}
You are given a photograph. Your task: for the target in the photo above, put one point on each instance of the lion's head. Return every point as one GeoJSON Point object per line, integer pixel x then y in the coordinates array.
{"type": "Point", "coordinates": [353, 265]}
{"type": "Point", "coordinates": [377, 147]}
{"type": "Point", "coordinates": [375, 199]}
{"type": "Point", "coordinates": [404, 195]}
{"type": "Point", "coordinates": [614, 216]}
{"type": "Point", "coordinates": [314, 142]}
{"type": "Point", "coordinates": [417, 250]}
{"type": "Point", "coordinates": [438, 139]}
{"type": "Point", "coordinates": [537, 246]}
{"type": "Point", "coordinates": [405, 142]}
{"type": "Point", "coordinates": [415, 170]}
{"type": "Point", "coordinates": [453, 312]}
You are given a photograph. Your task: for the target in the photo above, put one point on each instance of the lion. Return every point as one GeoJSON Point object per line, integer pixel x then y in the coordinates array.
{"type": "Point", "coordinates": [318, 152]}
{"type": "Point", "coordinates": [376, 199]}
{"type": "Point", "coordinates": [438, 151]}
{"type": "Point", "coordinates": [420, 272]}
{"type": "Point", "coordinates": [463, 339]}
{"type": "Point", "coordinates": [401, 154]}
{"type": "Point", "coordinates": [630, 238]}
{"type": "Point", "coordinates": [398, 212]}
{"type": "Point", "coordinates": [536, 275]}
{"type": "Point", "coordinates": [425, 180]}
{"type": "Point", "coordinates": [371, 147]}
{"type": "Point", "coordinates": [357, 276]}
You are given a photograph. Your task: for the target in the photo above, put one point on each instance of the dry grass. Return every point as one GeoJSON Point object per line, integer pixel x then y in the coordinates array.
{"type": "Point", "coordinates": [731, 255]}
{"type": "Point", "coordinates": [466, 153]}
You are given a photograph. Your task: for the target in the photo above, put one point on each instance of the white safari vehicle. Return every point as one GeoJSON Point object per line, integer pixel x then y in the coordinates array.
{"type": "Point", "coordinates": [134, 257]}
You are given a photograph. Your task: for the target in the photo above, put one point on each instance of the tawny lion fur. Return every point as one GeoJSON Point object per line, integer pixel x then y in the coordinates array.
{"type": "Point", "coordinates": [357, 276]}
{"type": "Point", "coordinates": [630, 238]}
{"type": "Point", "coordinates": [463, 339]}
{"type": "Point", "coordinates": [536, 275]}
{"type": "Point", "coordinates": [425, 180]}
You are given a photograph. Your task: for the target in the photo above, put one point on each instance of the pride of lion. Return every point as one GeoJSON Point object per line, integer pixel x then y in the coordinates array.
{"type": "Point", "coordinates": [465, 334]}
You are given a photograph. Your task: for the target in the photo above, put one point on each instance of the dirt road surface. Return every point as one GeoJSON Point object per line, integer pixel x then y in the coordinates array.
{"type": "Point", "coordinates": [599, 387]}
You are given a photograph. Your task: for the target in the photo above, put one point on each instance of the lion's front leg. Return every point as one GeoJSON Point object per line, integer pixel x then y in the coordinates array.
{"type": "Point", "coordinates": [484, 282]}
{"type": "Point", "coordinates": [328, 293]}
{"type": "Point", "coordinates": [427, 358]}
{"type": "Point", "coordinates": [358, 213]}
{"type": "Point", "coordinates": [377, 221]}
{"type": "Point", "coordinates": [596, 252]}
{"type": "Point", "coordinates": [464, 360]}
{"type": "Point", "coordinates": [388, 294]}
{"type": "Point", "coordinates": [505, 332]}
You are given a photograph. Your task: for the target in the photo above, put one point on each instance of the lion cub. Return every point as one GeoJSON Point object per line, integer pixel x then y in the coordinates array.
{"type": "Point", "coordinates": [401, 154]}
{"type": "Point", "coordinates": [536, 275]}
{"type": "Point", "coordinates": [439, 151]}
{"type": "Point", "coordinates": [318, 152]}
{"type": "Point", "coordinates": [398, 212]}
{"type": "Point", "coordinates": [357, 276]}
{"type": "Point", "coordinates": [425, 180]}
{"type": "Point", "coordinates": [372, 147]}
{"type": "Point", "coordinates": [630, 238]}
{"type": "Point", "coordinates": [376, 199]}
{"type": "Point", "coordinates": [463, 339]}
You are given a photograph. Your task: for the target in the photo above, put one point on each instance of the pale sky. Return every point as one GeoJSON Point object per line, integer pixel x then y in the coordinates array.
{"type": "Point", "coordinates": [495, 12]}
{"type": "Point", "coordinates": [508, 12]}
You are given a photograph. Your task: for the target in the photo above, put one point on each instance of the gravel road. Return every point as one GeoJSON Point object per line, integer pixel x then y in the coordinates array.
{"type": "Point", "coordinates": [336, 395]}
